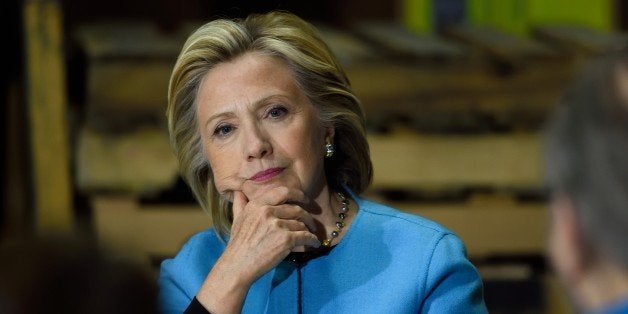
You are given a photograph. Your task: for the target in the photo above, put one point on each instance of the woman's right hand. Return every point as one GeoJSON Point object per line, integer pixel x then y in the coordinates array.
{"type": "Point", "coordinates": [265, 230]}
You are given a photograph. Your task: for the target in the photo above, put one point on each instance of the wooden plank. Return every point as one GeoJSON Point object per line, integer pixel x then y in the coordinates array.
{"type": "Point", "coordinates": [412, 161]}
{"type": "Point", "coordinates": [120, 40]}
{"type": "Point", "coordinates": [346, 47]}
{"type": "Point", "coordinates": [47, 105]}
{"type": "Point", "coordinates": [490, 228]}
{"type": "Point", "coordinates": [581, 39]}
{"type": "Point", "coordinates": [141, 232]}
{"type": "Point", "coordinates": [138, 162]}
{"type": "Point", "coordinates": [503, 47]}
{"type": "Point", "coordinates": [487, 228]}
{"type": "Point", "coordinates": [395, 39]}
{"type": "Point", "coordinates": [416, 91]}
{"type": "Point", "coordinates": [127, 93]}
{"type": "Point", "coordinates": [142, 162]}
{"type": "Point", "coordinates": [129, 84]}
{"type": "Point", "coordinates": [128, 66]}
{"type": "Point", "coordinates": [403, 79]}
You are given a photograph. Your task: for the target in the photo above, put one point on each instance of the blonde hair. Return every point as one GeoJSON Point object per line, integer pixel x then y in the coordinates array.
{"type": "Point", "coordinates": [317, 73]}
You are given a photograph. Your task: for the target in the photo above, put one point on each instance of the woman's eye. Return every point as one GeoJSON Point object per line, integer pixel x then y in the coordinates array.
{"type": "Point", "coordinates": [277, 112]}
{"type": "Point", "coordinates": [223, 130]}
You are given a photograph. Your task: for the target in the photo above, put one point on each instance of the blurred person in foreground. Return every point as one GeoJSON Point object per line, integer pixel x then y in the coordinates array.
{"type": "Point", "coordinates": [271, 140]}
{"type": "Point", "coordinates": [70, 275]}
{"type": "Point", "coordinates": [587, 169]}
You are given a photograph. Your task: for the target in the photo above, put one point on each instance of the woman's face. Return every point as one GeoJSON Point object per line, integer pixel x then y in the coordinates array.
{"type": "Point", "coordinates": [258, 129]}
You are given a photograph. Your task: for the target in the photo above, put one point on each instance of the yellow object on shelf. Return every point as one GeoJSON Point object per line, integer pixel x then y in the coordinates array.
{"type": "Point", "coordinates": [515, 16]}
{"type": "Point", "coordinates": [520, 16]}
{"type": "Point", "coordinates": [417, 15]}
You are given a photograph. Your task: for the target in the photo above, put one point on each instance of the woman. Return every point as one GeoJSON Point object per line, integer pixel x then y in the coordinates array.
{"type": "Point", "coordinates": [271, 139]}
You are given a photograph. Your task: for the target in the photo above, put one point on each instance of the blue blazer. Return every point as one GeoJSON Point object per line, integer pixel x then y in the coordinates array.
{"type": "Point", "coordinates": [387, 262]}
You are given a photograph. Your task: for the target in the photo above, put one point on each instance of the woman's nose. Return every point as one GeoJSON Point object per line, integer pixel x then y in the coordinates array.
{"type": "Point", "coordinates": [256, 143]}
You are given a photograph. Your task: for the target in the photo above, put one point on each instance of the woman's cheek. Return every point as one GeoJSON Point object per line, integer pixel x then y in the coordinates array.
{"type": "Point", "coordinates": [226, 178]}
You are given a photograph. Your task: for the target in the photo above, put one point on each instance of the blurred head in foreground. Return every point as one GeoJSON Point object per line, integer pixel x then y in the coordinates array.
{"type": "Point", "coordinates": [67, 275]}
{"type": "Point", "coordinates": [587, 169]}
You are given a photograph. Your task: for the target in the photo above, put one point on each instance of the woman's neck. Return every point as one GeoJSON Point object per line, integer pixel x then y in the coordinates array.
{"type": "Point", "coordinates": [327, 205]}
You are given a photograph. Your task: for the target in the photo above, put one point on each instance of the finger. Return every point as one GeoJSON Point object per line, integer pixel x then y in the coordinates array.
{"type": "Point", "coordinates": [307, 219]}
{"type": "Point", "coordinates": [295, 212]}
{"type": "Point", "coordinates": [305, 238]}
{"type": "Point", "coordinates": [239, 202]}
{"type": "Point", "coordinates": [292, 225]}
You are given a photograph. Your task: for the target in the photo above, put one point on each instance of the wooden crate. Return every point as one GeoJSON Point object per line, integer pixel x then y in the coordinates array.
{"type": "Point", "coordinates": [127, 70]}
{"type": "Point", "coordinates": [138, 162]}
{"type": "Point", "coordinates": [440, 120]}
{"type": "Point", "coordinates": [407, 160]}
{"type": "Point", "coordinates": [489, 224]}
{"type": "Point", "coordinates": [145, 233]}
{"type": "Point", "coordinates": [454, 134]}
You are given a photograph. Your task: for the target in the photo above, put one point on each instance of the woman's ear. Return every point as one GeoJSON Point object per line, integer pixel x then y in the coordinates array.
{"type": "Point", "coordinates": [329, 134]}
{"type": "Point", "coordinates": [568, 249]}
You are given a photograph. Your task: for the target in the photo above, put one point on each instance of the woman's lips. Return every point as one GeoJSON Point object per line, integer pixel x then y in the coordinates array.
{"type": "Point", "coordinates": [266, 175]}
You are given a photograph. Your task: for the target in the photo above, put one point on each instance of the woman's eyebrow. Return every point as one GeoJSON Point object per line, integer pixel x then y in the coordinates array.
{"type": "Point", "coordinates": [255, 106]}
{"type": "Point", "coordinates": [225, 114]}
{"type": "Point", "coordinates": [265, 100]}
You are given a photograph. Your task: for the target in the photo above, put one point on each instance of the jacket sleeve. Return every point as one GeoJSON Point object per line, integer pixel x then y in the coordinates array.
{"type": "Point", "coordinates": [182, 276]}
{"type": "Point", "coordinates": [172, 297]}
{"type": "Point", "coordinates": [453, 284]}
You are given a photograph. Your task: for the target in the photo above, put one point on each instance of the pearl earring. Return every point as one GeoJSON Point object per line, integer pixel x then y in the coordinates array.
{"type": "Point", "coordinates": [329, 150]}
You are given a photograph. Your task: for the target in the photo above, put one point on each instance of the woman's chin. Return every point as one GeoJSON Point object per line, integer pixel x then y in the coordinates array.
{"type": "Point", "coordinates": [252, 188]}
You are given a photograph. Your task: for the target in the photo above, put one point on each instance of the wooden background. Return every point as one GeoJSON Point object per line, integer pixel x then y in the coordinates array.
{"type": "Point", "coordinates": [455, 118]}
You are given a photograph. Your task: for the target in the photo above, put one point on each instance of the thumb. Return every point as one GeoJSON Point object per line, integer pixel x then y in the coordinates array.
{"type": "Point", "coordinates": [239, 202]}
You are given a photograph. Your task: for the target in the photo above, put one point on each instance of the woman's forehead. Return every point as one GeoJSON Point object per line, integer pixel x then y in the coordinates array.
{"type": "Point", "coordinates": [247, 80]}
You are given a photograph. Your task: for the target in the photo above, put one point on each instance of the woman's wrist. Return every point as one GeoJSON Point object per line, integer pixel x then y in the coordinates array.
{"type": "Point", "coordinates": [195, 307]}
{"type": "Point", "coordinates": [224, 289]}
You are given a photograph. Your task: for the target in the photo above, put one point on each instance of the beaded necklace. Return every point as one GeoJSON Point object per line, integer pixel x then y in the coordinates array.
{"type": "Point", "coordinates": [341, 222]}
